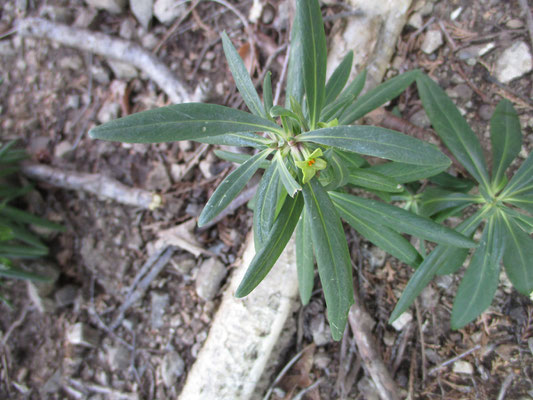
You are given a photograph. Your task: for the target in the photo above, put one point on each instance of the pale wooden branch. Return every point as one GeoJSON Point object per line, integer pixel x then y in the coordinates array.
{"type": "Point", "coordinates": [93, 183]}
{"type": "Point", "coordinates": [107, 46]}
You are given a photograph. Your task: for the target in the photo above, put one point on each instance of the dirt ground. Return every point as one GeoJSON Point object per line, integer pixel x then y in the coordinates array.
{"type": "Point", "coordinates": [51, 95]}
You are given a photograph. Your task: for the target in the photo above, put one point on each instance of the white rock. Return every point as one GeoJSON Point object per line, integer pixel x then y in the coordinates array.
{"type": "Point", "coordinates": [81, 334]}
{"type": "Point", "coordinates": [142, 9]}
{"type": "Point", "coordinates": [74, 63]}
{"type": "Point", "coordinates": [113, 6]}
{"type": "Point", "coordinates": [123, 70]}
{"type": "Point", "coordinates": [159, 302]}
{"type": "Point", "coordinates": [209, 278]}
{"type": "Point", "coordinates": [62, 148]}
{"type": "Point", "coordinates": [514, 62]}
{"type": "Point", "coordinates": [172, 368]}
{"type": "Point", "coordinates": [463, 367]}
{"type": "Point", "coordinates": [402, 321]}
{"type": "Point", "coordinates": [167, 11]}
{"type": "Point", "coordinates": [432, 41]}
{"type": "Point", "coordinates": [415, 21]}
{"type": "Point", "coordinates": [108, 112]}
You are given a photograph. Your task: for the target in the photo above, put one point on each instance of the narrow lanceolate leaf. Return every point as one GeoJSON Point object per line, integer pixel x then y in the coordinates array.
{"type": "Point", "coordinates": [450, 182]}
{"type": "Point", "coordinates": [524, 201]}
{"type": "Point", "coordinates": [525, 221]}
{"type": "Point", "coordinates": [505, 137]}
{"type": "Point", "coordinates": [518, 256]}
{"type": "Point", "coordinates": [287, 179]}
{"type": "Point", "coordinates": [238, 158]}
{"type": "Point", "coordinates": [400, 220]}
{"type": "Point", "coordinates": [267, 92]}
{"type": "Point", "coordinates": [17, 273]}
{"type": "Point", "coordinates": [332, 256]}
{"type": "Point", "coordinates": [346, 98]}
{"type": "Point", "coordinates": [339, 171]}
{"type": "Point", "coordinates": [278, 238]}
{"type": "Point", "coordinates": [295, 78]}
{"type": "Point", "coordinates": [242, 78]}
{"type": "Point", "coordinates": [434, 200]}
{"type": "Point", "coordinates": [453, 129]}
{"type": "Point", "coordinates": [230, 187]}
{"type": "Point", "coordinates": [314, 56]}
{"type": "Point", "coordinates": [351, 160]}
{"type": "Point", "coordinates": [522, 180]}
{"type": "Point", "coordinates": [404, 173]}
{"type": "Point", "coordinates": [24, 217]}
{"type": "Point", "coordinates": [378, 96]}
{"type": "Point", "coordinates": [378, 142]}
{"type": "Point", "coordinates": [241, 139]}
{"type": "Point", "coordinates": [265, 205]}
{"type": "Point", "coordinates": [10, 250]}
{"type": "Point", "coordinates": [25, 236]}
{"type": "Point", "coordinates": [383, 237]}
{"type": "Point", "coordinates": [363, 177]}
{"type": "Point", "coordinates": [188, 121]}
{"type": "Point", "coordinates": [442, 256]}
{"type": "Point", "coordinates": [338, 79]}
{"type": "Point", "coordinates": [480, 280]}
{"type": "Point", "coordinates": [305, 259]}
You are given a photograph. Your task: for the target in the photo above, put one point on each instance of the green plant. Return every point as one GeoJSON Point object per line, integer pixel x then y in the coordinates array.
{"type": "Point", "coordinates": [16, 240]}
{"type": "Point", "coordinates": [309, 160]}
{"type": "Point", "coordinates": [498, 202]}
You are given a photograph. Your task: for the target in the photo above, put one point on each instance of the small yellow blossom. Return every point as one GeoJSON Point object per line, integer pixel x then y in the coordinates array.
{"type": "Point", "coordinates": [311, 165]}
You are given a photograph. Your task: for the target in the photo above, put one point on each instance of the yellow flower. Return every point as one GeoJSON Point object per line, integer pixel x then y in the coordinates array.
{"type": "Point", "coordinates": [311, 165]}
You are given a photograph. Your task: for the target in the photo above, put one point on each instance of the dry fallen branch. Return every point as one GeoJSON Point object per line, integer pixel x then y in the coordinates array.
{"type": "Point", "coordinates": [93, 183]}
{"type": "Point", "coordinates": [107, 46]}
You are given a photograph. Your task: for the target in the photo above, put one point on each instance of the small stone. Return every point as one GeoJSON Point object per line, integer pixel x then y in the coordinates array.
{"type": "Point", "coordinates": [432, 41]}
{"type": "Point", "coordinates": [209, 278]}
{"type": "Point", "coordinates": [142, 9]}
{"type": "Point", "coordinates": [420, 119]}
{"type": "Point", "coordinates": [45, 269]}
{"type": "Point", "coordinates": [166, 11]}
{"type": "Point", "coordinates": [206, 168]}
{"type": "Point", "coordinates": [100, 74]}
{"type": "Point", "coordinates": [514, 62]}
{"type": "Point", "coordinates": [149, 41]}
{"type": "Point", "coordinates": [159, 303]}
{"type": "Point", "coordinates": [402, 321]}
{"type": "Point", "coordinates": [389, 338]}
{"type": "Point", "coordinates": [321, 360]}
{"type": "Point", "coordinates": [108, 112]}
{"type": "Point", "coordinates": [429, 298]}
{"type": "Point", "coordinates": [172, 367]}
{"type": "Point", "coordinates": [55, 13]}
{"type": "Point", "coordinates": [42, 303]}
{"type": "Point", "coordinates": [461, 91]}
{"type": "Point", "coordinates": [377, 257]}
{"type": "Point", "coordinates": [123, 70]}
{"type": "Point", "coordinates": [455, 13]}
{"type": "Point", "coordinates": [82, 335]}
{"type": "Point", "coordinates": [66, 295]}
{"type": "Point", "coordinates": [463, 367]}
{"type": "Point", "coordinates": [85, 18]}
{"type": "Point", "coordinates": [52, 384]}
{"type": "Point", "coordinates": [112, 6]}
{"type": "Point", "coordinates": [73, 101]}
{"type": "Point", "coordinates": [157, 178]}
{"type": "Point", "coordinates": [74, 63]}
{"type": "Point", "coordinates": [127, 29]}
{"type": "Point", "coordinates": [320, 330]}
{"type": "Point", "coordinates": [415, 21]}
{"type": "Point", "coordinates": [514, 24]}
{"type": "Point", "coordinates": [184, 265]}
{"type": "Point", "coordinates": [62, 148]}
{"type": "Point", "coordinates": [118, 357]}
{"type": "Point", "coordinates": [6, 49]}
{"type": "Point", "coordinates": [485, 112]}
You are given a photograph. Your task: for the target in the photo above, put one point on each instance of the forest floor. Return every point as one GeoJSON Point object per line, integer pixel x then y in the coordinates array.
{"type": "Point", "coordinates": [51, 95]}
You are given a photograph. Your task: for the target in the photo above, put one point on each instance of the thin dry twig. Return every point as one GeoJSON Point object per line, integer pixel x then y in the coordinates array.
{"type": "Point", "coordinates": [15, 324]}
{"type": "Point", "coordinates": [107, 46]}
{"type": "Point", "coordinates": [454, 359]}
{"type": "Point", "coordinates": [93, 183]}
{"type": "Point", "coordinates": [421, 337]}
{"type": "Point", "coordinates": [505, 385]}
{"type": "Point", "coordinates": [529, 18]}
{"type": "Point", "coordinates": [303, 392]}
{"type": "Point", "coordinates": [175, 26]}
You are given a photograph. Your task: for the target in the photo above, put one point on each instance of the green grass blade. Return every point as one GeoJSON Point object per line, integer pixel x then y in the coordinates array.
{"type": "Point", "coordinates": [522, 181]}
{"type": "Point", "coordinates": [10, 250]}
{"type": "Point", "coordinates": [338, 79]}
{"type": "Point", "coordinates": [366, 178]}
{"type": "Point", "coordinates": [267, 92]}
{"type": "Point", "coordinates": [404, 173]}
{"type": "Point", "coordinates": [188, 121]}
{"type": "Point", "coordinates": [378, 96]}
{"type": "Point", "coordinates": [453, 129]}
{"type": "Point", "coordinates": [505, 137]}
{"type": "Point", "coordinates": [314, 57]}
{"type": "Point", "coordinates": [332, 256]}
{"type": "Point", "coordinates": [20, 216]}
{"type": "Point", "coordinates": [400, 220]}
{"type": "Point", "coordinates": [241, 139]}
{"type": "Point", "coordinates": [480, 281]}
{"type": "Point", "coordinates": [518, 256]}
{"type": "Point", "coordinates": [242, 78]}
{"type": "Point", "coordinates": [230, 187]}
{"type": "Point", "coordinates": [305, 259]}
{"type": "Point", "coordinates": [265, 205]}
{"type": "Point", "coordinates": [439, 258]}
{"type": "Point", "coordinates": [17, 273]}
{"type": "Point", "coordinates": [383, 237]}
{"type": "Point", "coordinates": [287, 179]}
{"type": "Point", "coordinates": [278, 238]}
{"type": "Point", "coordinates": [378, 142]}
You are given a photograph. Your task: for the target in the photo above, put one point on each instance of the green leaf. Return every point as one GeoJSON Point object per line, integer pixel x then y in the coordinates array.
{"type": "Point", "coordinates": [347, 97]}
{"type": "Point", "coordinates": [505, 137]}
{"type": "Point", "coordinates": [480, 281]}
{"type": "Point", "coordinates": [400, 220]}
{"type": "Point", "coordinates": [17, 273]}
{"type": "Point", "coordinates": [332, 255]}
{"type": "Point", "coordinates": [267, 92]}
{"type": "Point", "coordinates": [8, 171]}
{"type": "Point", "coordinates": [242, 78]}
{"type": "Point", "coordinates": [241, 139]}
{"type": "Point", "coordinates": [230, 187]}
{"type": "Point", "coordinates": [295, 79]}
{"type": "Point", "coordinates": [521, 182]}
{"type": "Point", "coordinates": [314, 57]}
{"type": "Point", "coordinates": [366, 178]}
{"type": "Point", "coordinates": [378, 142]}
{"type": "Point", "coordinates": [351, 160]}
{"type": "Point", "coordinates": [453, 129]}
{"type": "Point", "coordinates": [450, 182]}
{"type": "Point", "coordinates": [337, 169]}
{"type": "Point", "coordinates": [439, 258]}
{"type": "Point", "coordinates": [518, 256]}
{"type": "Point", "coordinates": [265, 205]}
{"type": "Point", "coordinates": [19, 233]}
{"type": "Point", "coordinates": [11, 250]}
{"type": "Point", "coordinates": [524, 221]}
{"type": "Point", "coordinates": [238, 158]}
{"type": "Point", "coordinates": [524, 201]}
{"type": "Point", "coordinates": [434, 200]}
{"type": "Point", "coordinates": [19, 216]}
{"type": "Point", "coordinates": [188, 121]}
{"type": "Point", "coordinates": [305, 260]}
{"type": "Point", "coordinates": [287, 179]}
{"type": "Point", "coordinates": [383, 237]}
{"type": "Point", "coordinates": [404, 173]}
{"type": "Point", "coordinates": [278, 111]}
{"type": "Point", "coordinates": [338, 79]}
{"type": "Point", "coordinates": [278, 238]}
{"type": "Point", "coordinates": [378, 96]}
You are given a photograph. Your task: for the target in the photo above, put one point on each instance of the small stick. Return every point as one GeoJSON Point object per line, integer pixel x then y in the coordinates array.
{"type": "Point", "coordinates": [303, 392]}
{"type": "Point", "coordinates": [506, 383]}
{"type": "Point", "coordinates": [454, 359]}
{"type": "Point", "coordinates": [107, 46]}
{"type": "Point", "coordinates": [421, 336]}
{"type": "Point", "coordinates": [529, 18]}
{"type": "Point", "coordinates": [93, 183]}
{"type": "Point", "coordinates": [15, 324]}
